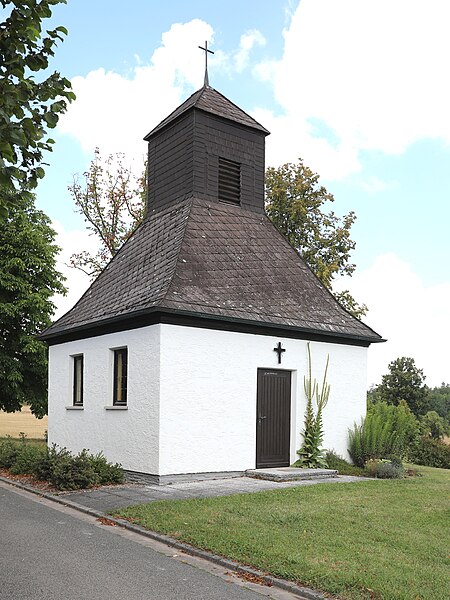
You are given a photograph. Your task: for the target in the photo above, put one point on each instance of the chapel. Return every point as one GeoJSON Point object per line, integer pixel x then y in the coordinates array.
{"type": "Point", "coordinates": [187, 355]}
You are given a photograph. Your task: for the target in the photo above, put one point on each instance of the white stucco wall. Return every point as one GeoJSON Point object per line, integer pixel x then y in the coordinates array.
{"type": "Point", "coordinates": [126, 436]}
{"type": "Point", "coordinates": [208, 395]}
{"type": "Point", "coordinates": [192, 397]}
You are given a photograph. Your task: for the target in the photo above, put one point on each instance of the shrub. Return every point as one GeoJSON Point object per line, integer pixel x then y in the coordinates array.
{"type": "Point", "coordinates": [387, 431]}
{"type": "Point", "coordinates": [385, 469]}
{"type": "Point", "coordinates": [26, 459]}
{"type": "Point", "coordinates": [107, 472]}
{"type": "Point", "coordinates": [430, 452]}
{"type": "Point", "coordinates": [58, 465]}
{"type": "Point", "coordinates": [342, 466]}
{"type": "Point", "coordinates": [68, 472]}
{"type": "Point", "coordinates": [8, 452]}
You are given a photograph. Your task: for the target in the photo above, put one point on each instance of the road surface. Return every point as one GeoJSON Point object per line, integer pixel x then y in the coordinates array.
{"type": "Point", "coordinates": [51, 552]}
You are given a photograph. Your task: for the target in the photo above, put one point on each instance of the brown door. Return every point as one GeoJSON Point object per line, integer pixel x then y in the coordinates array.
{"type": "Point", "coordinates": [273, 418]}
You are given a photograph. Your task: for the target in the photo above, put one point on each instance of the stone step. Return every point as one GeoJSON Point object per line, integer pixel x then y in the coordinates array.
{"type": "Point", "coordinates": [290, 473]}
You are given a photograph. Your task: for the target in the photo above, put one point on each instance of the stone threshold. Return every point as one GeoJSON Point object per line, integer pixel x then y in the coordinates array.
{"type": "Point", "coordinates": [274, 474]}
{"type": "Point", "coordinates": [290, 473]}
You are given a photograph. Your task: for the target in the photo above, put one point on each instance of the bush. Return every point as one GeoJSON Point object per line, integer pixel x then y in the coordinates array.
{"type": "Point", "coordinates": [8, 452]}
{"type": "Point", "coordinates": [68, 472]}
{"type": "Point", "coordinates": [107, 472]}
{"type": "Point", "coordinates": [430, 452]}
{"type": "Point", "coordinates": [58, 466]}
{"type": "Point", "coordinates": [387, 431]}
{"type": "Point", "coordinates": [342, 466]}
{"type": "Point", "coordinates": [27, 458]}
{"type": "Point", "coordinates": [385, 469]}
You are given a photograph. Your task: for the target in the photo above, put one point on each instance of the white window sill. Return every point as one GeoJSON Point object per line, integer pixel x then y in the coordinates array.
{"type": "Point", "coordinates": [74, 407]}
{"type": "Point", "coordinates": [116, 407]}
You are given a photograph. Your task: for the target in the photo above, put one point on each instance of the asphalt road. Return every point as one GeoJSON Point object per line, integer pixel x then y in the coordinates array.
{"type": "Point", "coordinates": [51, 552]}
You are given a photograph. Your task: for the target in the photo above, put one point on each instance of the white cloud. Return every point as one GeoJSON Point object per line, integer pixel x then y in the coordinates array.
{"type": "Point", "coordinates": [77, 282]}
{"type": "Point", "coordinates": [374, 185]}
{"type": "Point", "coordinates": [412, 317]}
{"type": "Point", "coordinates": [373, 72]}
{"type": "Point", "coordinates": [115, 112]}
{"type": "Point", "coordinates": [247, 42]}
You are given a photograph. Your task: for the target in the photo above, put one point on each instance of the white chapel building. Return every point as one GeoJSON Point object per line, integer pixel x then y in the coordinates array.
{"type": "Point", "coordinates": [187, 354]}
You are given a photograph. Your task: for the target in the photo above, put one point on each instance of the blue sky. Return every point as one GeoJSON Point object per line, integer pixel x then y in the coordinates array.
{"type": "Point", "coordinates": [357, 89]}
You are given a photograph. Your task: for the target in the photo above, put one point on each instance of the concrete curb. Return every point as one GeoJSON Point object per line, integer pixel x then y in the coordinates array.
{"type": "Point", "coordinates": [301, 591]}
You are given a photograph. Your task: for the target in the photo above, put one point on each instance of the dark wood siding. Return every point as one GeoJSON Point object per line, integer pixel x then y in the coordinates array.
{"type": "Point", "coordinates": [214, 138]}
{"type": "Point", "coordinates": [273, 418]}
{"type": "Point", "coordinates": [183, 160]}
{"type": "Point", "coordinates": [170, 163]}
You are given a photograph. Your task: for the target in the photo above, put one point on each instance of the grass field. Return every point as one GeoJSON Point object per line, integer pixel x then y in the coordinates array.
{"type": "Point", "coordinates": [13, 423]}
{"type": "Point", "coordinates": [373, 539]}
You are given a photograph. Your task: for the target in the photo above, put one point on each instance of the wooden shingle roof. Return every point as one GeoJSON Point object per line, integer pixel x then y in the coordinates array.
{"type": "Point", "coordinates": [211, 101]}
{"type": "Point", "coordinates": [215, 262]}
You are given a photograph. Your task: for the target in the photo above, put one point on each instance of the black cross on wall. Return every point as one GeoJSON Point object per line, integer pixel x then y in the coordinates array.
{"type": "Point", "coordinates": [279, 350]}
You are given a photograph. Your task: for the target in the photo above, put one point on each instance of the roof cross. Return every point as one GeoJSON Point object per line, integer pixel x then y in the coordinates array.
{"type": "Point", "coordinates": [206, 50]}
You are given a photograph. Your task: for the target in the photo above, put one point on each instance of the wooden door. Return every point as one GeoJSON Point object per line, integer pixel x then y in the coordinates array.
{"type": "Point", "coordinates": [273, 418]}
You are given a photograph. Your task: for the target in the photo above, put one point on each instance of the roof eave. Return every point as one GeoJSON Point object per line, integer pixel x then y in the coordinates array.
{"type": "Point", "coordinates": [156, 315]}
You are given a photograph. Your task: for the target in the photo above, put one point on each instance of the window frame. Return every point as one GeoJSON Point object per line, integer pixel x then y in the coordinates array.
{"type": "Point", "coordinates": [121, 383]}
{"type": "Point", "coordinates": [78, 380]}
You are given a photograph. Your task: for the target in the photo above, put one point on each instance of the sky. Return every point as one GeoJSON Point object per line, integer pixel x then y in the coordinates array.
{"type": "Point", "coordinates": [358, 89]}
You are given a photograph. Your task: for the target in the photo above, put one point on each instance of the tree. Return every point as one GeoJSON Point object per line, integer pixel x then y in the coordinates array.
{"type": "Point", "coordinates": [439, 400]}
{"type": "Point", "coordinates": [28, 279]}
{"type": "Point", "coordinates": [433, 425]}
{"type": "Point", "coordinates": [27, 107]}
{"type": "Point", "coordinates": [294, 203]}
{"type": "Point", "coordinates": [405, 382]}
{"type": "Point", "coordinates": [373, 396]}
{"type": "Point", "coordinates": [112, 202]}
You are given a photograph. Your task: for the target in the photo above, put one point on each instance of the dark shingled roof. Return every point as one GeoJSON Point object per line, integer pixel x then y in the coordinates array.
{"type": "Point", "coordinates": [214, 260]}
{"type": "Point", "coordinates": [210, 100]}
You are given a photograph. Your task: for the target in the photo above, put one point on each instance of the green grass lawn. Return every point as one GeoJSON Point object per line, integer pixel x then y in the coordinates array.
{"type": "Point", "coordinates": [373, 539]}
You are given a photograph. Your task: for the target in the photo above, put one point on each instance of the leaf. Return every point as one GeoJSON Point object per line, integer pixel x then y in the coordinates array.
{"type": "Point", "coordinates": [51, 119]}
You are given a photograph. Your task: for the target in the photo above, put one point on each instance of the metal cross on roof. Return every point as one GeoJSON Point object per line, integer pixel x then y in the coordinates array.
{"type": "Point", "coordinates": [206, 50]}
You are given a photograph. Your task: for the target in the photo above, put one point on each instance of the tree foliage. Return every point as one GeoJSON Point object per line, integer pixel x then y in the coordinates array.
{"type": "Point", "coordinates": [439, 400]}
{"type": "Point", "coordinates": [27, 106]}
{"type": "Point", "coordinates": [433, 425]}
{"type": "Point", "coordinates": [112, 202]}
{"type": "Point", "coordinates": [295, 203]}
{"type": "Point", "coordinates": [405, 381]}
{"type": "Point", "coordinates": [28, 279]}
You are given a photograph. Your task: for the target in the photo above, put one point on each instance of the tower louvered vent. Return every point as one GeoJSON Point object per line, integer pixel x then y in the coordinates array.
{"type": "Point", "coordinates": [229, 181]}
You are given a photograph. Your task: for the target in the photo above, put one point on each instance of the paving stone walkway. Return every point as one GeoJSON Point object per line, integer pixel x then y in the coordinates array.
{"type": "Point", "coordinates": [112, 497]}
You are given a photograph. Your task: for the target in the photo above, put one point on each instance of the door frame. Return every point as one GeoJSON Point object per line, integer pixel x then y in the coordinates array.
{"type": "Point", "coordinates": [288, 425]}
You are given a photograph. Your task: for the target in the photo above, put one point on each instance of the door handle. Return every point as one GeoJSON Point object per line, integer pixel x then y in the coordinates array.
{"type": "Point", "coordinates": [261, 418]}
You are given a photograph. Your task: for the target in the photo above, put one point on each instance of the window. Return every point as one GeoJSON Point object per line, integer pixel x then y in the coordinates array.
{"type": "Point", "coordinates": [78, 380]}
{"type": "Point", "coordinates": [229, 181]}
{"type": "Point", "coordinates": [120, 377]}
